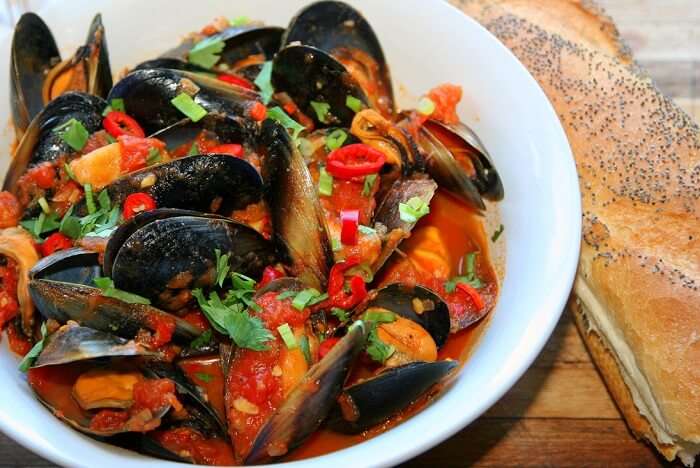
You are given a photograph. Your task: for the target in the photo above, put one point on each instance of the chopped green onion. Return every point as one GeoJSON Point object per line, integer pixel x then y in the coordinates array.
{"type": "Point", "coordinates": [44, 205]}
{"type": "Point", "coordinates": [287, 335]}
{"type": "Point", "coordinates": [303, 298]}
{"type": "Point", "coordinates": [317, 299]}
{"type": "Point", "coordinates": [73, 133]}
{"type": "Point", "coordinates": [153, 156]}
{"type": "Point", "coordinates": [369, 183]}
{"type": "Point", "coordinates": [239, 21]}
{"type": "Point", "coordinates": [335, 139]}
{"type": "Point", "coordinates": [353, 104]}
{"type": "Point", "coordinates": [340, 314]}
{"type": "Point", "coordinates": [497, 233]}
{"type": "Point", "coordinates": [116, 104]}
{"type": "Point", "coordinates": [379, 316]}
{"type": "Point", "coordinates": [426, 106]}
{"type": "Point", "coordinates": [305, 148]}
{"type": "Point", "coordinates": [286, 295]}
{"type": "Point", "coordinates": [106, 285]}
{"type": "Point", "coordinates": [89, 199]}
{"type": "Point", "coordinates": [325, 183]}
{"type": "Point", "coordinates": [451, 285]}
{"type": "Point", "coordinates": [69, 171]}
{"type": "Point", "coordinates": [305, 349]}
{"type": "Point", "coordinates": [280, 116]}
{"type": "Point", "coordinates": [39, 225]}
{"type": "Point", "coordinates": [322, 110]}
{"type": "Point", "coordinates": [222, 266]}
{"type": "Point", "coordinates": [206, 52]}
{"type": "Point", "coordinates": [264, 82]}
{"type": "Point", "coordinates": [30, 357]}
{"type": "Point", "coordinates": [366, 230]}
{"type": "Point", "coordinates": [185, 104]}
{"type": "Point", "coordinates": [470, 263]}
{"type": "Point", "coordinates": [194, 149]}
{"type": "Point", "coordinates": [204, 377]}
{"type": "Point", "coordinates": [413, 210]}
{"type": "Point", "coordinates": [336, 245]}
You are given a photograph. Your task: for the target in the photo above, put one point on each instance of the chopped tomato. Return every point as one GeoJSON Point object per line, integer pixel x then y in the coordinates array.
{"type": "Point", "coordinates": [118, 123]}
{"type": "Point", "coordinates": [275, 312]}
{"type": "Point", "coordinates": [200, 450]}
{"type": "Point", "coordinates": [162, 327]}
{"type": "Point", "coordinates": [231, 148]}
{"type": "Point", "coordinates": [258, 111]}
{"type": "Point", "coordinates": [290, 108]}
{"type": "Point", "coordinates": [135, 150]}
{"type": "Point", "coordinates": [10, 210]}
{"type": "Point", "coordinates": [19, 343]}
{"type": "Point", "coordinates": [66, 195]}
{"type": "Point", "coordinates": [446, 97]}
{"type": "Point", "coordinates": [154, 394]}
{"type": "Point", "coordinates": [8, 307]}
{"type": "Point", "coordinates": [8, 291]}
{"type": "Point", "coordinates": [95, 141]}
{"type": "Point", "coordinates": [109, 420]}
{"type": "Point", "coordinates": [196, 317]}
{"type": "Point", "coordinates": [43, 175]}
{"type": "Point", "coordinates": [55, 242]}
{"type": "Point", "coordinates": [137, 203]}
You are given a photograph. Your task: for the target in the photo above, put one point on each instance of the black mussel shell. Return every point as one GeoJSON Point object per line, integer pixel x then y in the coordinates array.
{"type": "Point", "coordinates": [74, 265]}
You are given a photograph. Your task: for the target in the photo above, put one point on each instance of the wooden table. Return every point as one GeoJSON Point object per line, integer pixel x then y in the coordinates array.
{"type": "Point", "coordinates": [559, 413]}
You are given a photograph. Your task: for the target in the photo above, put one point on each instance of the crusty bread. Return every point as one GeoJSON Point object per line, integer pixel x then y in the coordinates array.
{"type": "Point", "coordinates": [638, 156]}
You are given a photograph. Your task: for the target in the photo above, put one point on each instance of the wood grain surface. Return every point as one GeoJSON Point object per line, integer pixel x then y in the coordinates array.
{"type": "Point", "coordinates": [559, 413]}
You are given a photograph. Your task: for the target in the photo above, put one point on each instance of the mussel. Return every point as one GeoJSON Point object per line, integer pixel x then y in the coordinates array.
{"type": "Point", "coordinates": [74, 265]}
{"type": "Point", "coordinates": [340, 30]}
{"type": "Point", "coordinates": [37, 76]}
{"type": "Point", "coordinates": [18, 244]}
{"type": "Point", "coordinates": [297, 217]}
{"type": "Point", "coordinates": [166, 258]}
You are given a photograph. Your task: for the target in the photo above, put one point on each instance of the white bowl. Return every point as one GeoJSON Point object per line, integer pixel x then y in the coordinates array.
{"type": "Point", "coordinates": [426, 43]}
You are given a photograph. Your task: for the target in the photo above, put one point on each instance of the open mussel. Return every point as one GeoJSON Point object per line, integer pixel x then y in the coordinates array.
{"type": "Point", "coordinates": [41, 143]}
{"type": "Point", "coordinates": [38, 77]}
{"type": "Point", "coordinates": [369, 402]}
{"type": "Point", "coordinates": [226, 128]}
{"type": "Point", "coordinates": [297, 217]}
{"type": "Point", "coordinates": [17, 244]}
{"type": "Point", "coordinates": [340, 30]}
{"type": "Point", "coordinates": [307, 75]}
{"type": "Point", "coordinates": [166, 258]}
{"type": "Point", "coordinates": [74, 265]}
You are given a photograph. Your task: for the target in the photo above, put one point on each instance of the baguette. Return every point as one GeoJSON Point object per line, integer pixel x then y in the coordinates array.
{"type": "Point", "coordinates": [637, 290]}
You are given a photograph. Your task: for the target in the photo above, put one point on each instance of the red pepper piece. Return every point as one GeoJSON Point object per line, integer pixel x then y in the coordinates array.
{"type": "Point", "coordinates": [336, 278]}
{"type": "Point", "coordinates": [269, 274]}
{"type": "Point", "coordinates": [325, 347]}
{"type": "Point", "coordinates": [235, 80]}
{"type": "Point", "coordinates": [136, 203]}
{"type": "Point", "coordinates": [354, 160]}
{"type": "Point", "coordinates": [118, 123]}
{"type": "Point", "coordinates": [337, 296]}
{"type": "Point", "coordinates": [258, 111]}
{"type": "Point", "coordinates": [473, 294]}
{"type": "Point", "coordinates": [55, 242]}
{"type": "Point", "coordinates": [350, 221]}
{"type": "Point", "coordinates": [230, 148]}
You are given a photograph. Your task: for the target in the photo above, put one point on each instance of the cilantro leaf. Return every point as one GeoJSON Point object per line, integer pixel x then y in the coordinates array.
{"type": "Point", "coordinates": [376, 348]}
{"type": "Point", "coordinates": [204, 377]}
{"type": "Point", "coordinates": [106, 285]}
{"type": "Point", "coordinates": [246, 331]}
{"type": "Point", "coordinates": [41, 224]}
{"type": "Point", "coordinates": [30, 357]}
{"type": "Point", "coordinates": [203, 340]}
{"type": "Point", "coordinates": [222, 267]}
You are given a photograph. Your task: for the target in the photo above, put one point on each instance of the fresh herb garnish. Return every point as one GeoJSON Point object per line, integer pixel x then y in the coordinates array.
{"type": "Point", "coordinates": [335, 139]}
{"type": "Point", "coordinates": [287, 336]}
{"type": "Point", "coordinates": [264, 82]}
{"type": "Point", "coordinates": [307, 297]}
{"type": "Point", "coordinates": [497, 233]}
{"type": "Point", "coordinates": [69, 171]}
{"type": "Point", "coordinates": [305, 349]}
{"type": "Point", "coordinates": [379, 316]}
{"type": "Point", "coordinates": [322, 110]}
{"type": "Point", "coordinates": [239, 21]}
{"type": "Point", "coordinates": [70, 225]}
{"type": "Point", "coordinates": [30, 357]}
{"type": "Point", "coordinates": [353, 103]}
{"type": "Point", "coordinates": [336, 245]}
{"type": "Point", "coordinates": [116, 104]}
{"type": "Point", "coordinates": [469, 277]}
{"type": "Point", "coordinates": [286, 295]}
{"type": "Point", "coordinates": [413, 210]}
{"type": "Point", "coordinates": [222, 267]}
{"type": "Point", "coordinates": [368, 184]}
{"type": "Point", "coordinates": [341, 314]}
{"type": "Point", "coordinates": [280, 116]}
{"type": "Point", "coordinates": [203, 340]}
{"type": "Point", "coordinates": [106, 285]}
{"type": "Point", "coordinates": [206, 52]}
{"type": "Point", "coordinates": [185, 104]}
{"type": "Point", "coordinates": [194, 149]}
{"type": "Point", "coordinates": [44, 205]}
{"type": "Point", "coordinates": [41, 224]}
{"type": "Point", "coordinates": [89, 201]}
{"type": "Point", "coordinates": [376, 348]}
{"type": "Point", "coordinates": [204, 377]}
{"type": "Point", "coordinates": [73, 133]}
{"type": "Point", "coordinates": [325, 183]}
{"type": "Point", "coordinates": [366, 230]}
{"type": "Point", "coordinates": [153, 156]}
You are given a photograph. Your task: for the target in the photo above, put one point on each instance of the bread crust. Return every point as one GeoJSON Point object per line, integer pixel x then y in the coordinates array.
{"type": "Point", "coordinates": [638, 159]}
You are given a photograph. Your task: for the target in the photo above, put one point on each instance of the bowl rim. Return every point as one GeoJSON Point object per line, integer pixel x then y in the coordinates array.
{"type": "Point", "coordinates": [569, 251]}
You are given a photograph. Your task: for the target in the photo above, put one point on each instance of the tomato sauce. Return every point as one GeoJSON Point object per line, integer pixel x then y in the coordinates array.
{"type": "Point", "coordinates": [191, 445]}
{"type": "Point", "coordinates": [206, 373]}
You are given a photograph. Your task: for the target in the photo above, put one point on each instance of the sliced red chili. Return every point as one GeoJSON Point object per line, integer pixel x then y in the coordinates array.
{"type": "Point", "coordinates": [136, 203]}
{"type": "Point", "coordinates": [358, 291]}
{"type": "Point", "coordinates": [473, 294]}
{"type": "Point", "coordinates": [336, 278]}
{"type": "Point", "coordinates": [230, 148]}
{"type": "Point", "coordinates": [354, 160]}
{"type": "Point", "coordinates": [350, 221]}
{"type": "Point", "coordinates": [325, 347]}
{"type": "Point", "coordinates": [336, 282]}
{"type": "Point", "coordinates": [235, 80]}
{"type": "Point", "coordinates": [118, 123]}
{"type": "Point", "coordinates": [258, 111]}
{"type": "Point", "coordinates": [55, 242]}
{"type": "Point", "coordinates": [269, 274]}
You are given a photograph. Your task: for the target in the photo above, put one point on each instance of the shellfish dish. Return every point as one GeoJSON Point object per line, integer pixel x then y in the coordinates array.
{"type": "Point", "coordinates": [240, 251]}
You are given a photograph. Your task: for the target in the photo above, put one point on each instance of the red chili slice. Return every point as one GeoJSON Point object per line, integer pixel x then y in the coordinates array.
{"type": "Point", "coordinates": [230, 148]}
{"type": "Point", "coordinates": [269, 274]}
{"type": "Point", "coordinates": [355, 160]}
{"type": "Point", "coordinates": [473, 294]}
{"type": "Point", "coordinates": [350, 220]}
{"type": "Point", "coordinates": [336, 281]}
{"type": "Point", "coordinates": [235, 80]}
{"type": "Point", "coordinates": [136, 203]}
{"type": "Point", "coordinates": [118, 123]}
{"type": "Point", "coordinates": [55, 242]}
{"type": "Point", "coordinates": [258, 111]}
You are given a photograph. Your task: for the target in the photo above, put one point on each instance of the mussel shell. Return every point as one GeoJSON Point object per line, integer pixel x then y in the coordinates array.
{"type": "Point", "coordinates": [147, 95]}
{"type": "Point", "coordinates": [242, 42]}
{"type": "Point", "coordinates": [229, 129]}
{"type": "Point", "coordinates": [75, 343]}
{"type": "Point", "coordinates": [385, 395]}
{"type": "Point", "coordinates": [169, 63]}
{"type": "Point", "coordinates": [169, 256]}
{"type": "Point", "coordinates": [193, 183]}
{"type": "Point", "coordinates": [309, 74]}
{"type": "Point", "coordinates": [40, 143]}
{"type": "Point", "coordinates": [34, 52]}
{"type": "Point", "coordinates": [97, 38]}
{"type": "Point", "coordinates": [399, 298]}
{"type": "Point", "coordinates": [87, 306]}
{"type": "Point", "coordinates": [74, 265]}
{"type": "Point", "coordinates": [297, 218]}
{"type": "Point", "coordinates": [309, 402]}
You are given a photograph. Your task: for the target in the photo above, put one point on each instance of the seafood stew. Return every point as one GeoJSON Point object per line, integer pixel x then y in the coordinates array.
{"type": "Point", "coordinates": [240, 247]}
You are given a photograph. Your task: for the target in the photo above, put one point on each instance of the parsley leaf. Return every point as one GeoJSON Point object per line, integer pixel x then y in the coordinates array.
{"type": "Point", "coordinates": [106, 285]}
{"type": "Point", "coordinates": [222, 267]}
{"type": "Point", "coordinates": [204, 377]}
{"type": "Point", "coordinates": [376, 348]}
{"type": "Point", "coordinates": [206, 52]}
{"type": "Point", "coordinates": [30, 357]}
{"type": "Point", "coordinates": [497, 233]}
{"type": "Point", "coordinates": [41, 224]}
{"type": "Point", "coordinates": [203, 340]}
{"type": "Point", "coordinates": [246, 331]}
{"type": "Point", "coordinates": [73, 133]}
{"type": "Point", "coordinates": [264, 82]}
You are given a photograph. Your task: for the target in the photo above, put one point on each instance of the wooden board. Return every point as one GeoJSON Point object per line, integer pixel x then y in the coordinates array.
{"type": "Point", "coordinates": [559, 413]}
